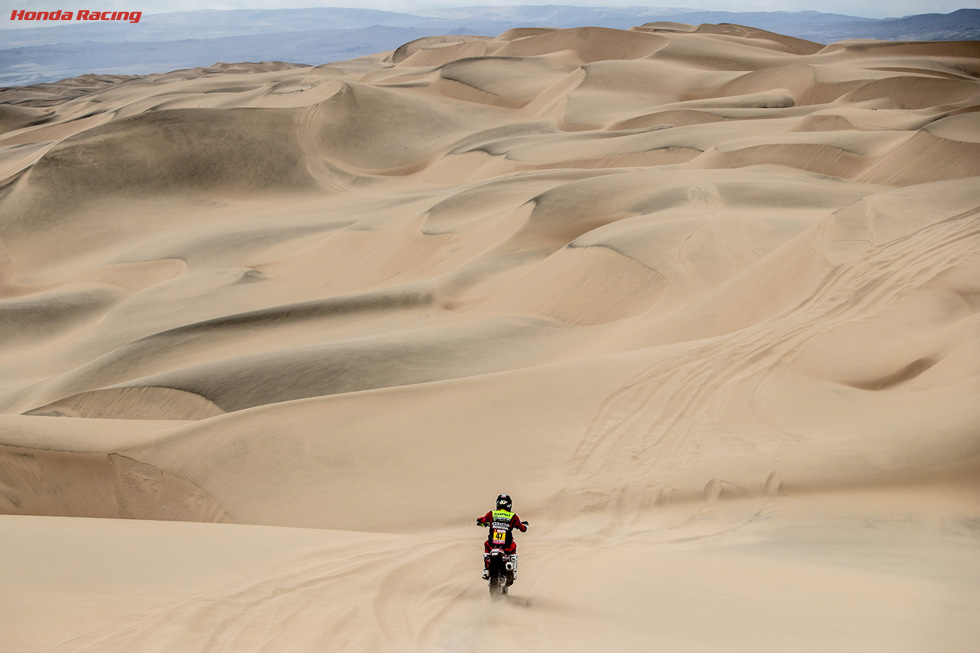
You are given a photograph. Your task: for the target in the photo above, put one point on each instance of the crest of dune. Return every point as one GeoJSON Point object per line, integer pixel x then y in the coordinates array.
{"type": "Point", "coordinates": [705, 300]}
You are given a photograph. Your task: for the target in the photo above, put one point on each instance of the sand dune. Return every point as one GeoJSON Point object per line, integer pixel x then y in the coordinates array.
{"type": "Point", "coordinates": [704, 299]}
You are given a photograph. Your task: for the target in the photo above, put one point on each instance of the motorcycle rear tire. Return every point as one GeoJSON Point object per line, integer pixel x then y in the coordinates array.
{"type": "Point", "coordinates": [497, 588]}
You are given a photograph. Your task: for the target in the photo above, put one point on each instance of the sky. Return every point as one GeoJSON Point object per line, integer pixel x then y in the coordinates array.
{"type": "Point", "coordinates": [866, 8]}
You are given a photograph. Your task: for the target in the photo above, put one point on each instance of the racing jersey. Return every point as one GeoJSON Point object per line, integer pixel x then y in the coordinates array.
{"type": "Point", "coordinates": [502, 524]}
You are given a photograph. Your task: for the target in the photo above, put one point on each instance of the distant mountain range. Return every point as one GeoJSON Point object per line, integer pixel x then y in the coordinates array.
{"type": "Point", "coordinates": [165, 42]}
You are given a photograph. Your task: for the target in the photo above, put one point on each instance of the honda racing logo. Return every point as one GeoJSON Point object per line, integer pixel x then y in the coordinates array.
{"type": "Point", "coordinates": [129, 16]}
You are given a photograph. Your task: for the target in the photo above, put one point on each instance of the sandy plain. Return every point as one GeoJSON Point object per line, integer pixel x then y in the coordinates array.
{"type": "Point", "coordinates": [704, 300]}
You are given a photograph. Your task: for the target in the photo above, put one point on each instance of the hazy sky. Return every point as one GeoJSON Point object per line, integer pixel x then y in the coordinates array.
{"type": "Point", "coordinates": [869, 8]}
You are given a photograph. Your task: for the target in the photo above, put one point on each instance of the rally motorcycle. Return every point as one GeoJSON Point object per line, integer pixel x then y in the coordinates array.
{"type": "Point", "coordinates": [502, 567]}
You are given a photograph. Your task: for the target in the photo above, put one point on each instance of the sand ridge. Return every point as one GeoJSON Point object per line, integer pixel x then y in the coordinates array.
{"type": "Point", "coordinates": [704, 299]}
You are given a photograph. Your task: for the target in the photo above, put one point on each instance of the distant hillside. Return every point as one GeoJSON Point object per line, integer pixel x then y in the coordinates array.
{"type": "Point", "coordinates": [961, 25]}
{"type": "Point", "coordinates": [165, 42]}
{"type": "Point", "coordinates": [54, 62]}
{"type": "Point", "coordinates": [559, 15]}
{"type": "Point", "coordinates": [208, 24]}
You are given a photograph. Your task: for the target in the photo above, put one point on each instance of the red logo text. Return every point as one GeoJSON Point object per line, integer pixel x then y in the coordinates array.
{"type": "Point", "coordinates": [130, 16]}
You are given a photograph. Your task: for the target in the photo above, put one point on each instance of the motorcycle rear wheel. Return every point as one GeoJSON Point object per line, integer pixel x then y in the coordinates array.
{"type": "Point", "coordinates": [497, 588]}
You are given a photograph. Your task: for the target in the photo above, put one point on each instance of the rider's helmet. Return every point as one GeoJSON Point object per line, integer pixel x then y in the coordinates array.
{"type": "Point", "coordinates": [504, 502]}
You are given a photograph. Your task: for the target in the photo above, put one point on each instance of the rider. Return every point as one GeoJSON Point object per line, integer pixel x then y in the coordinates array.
{"type": "Point", "coordinates": [502, 523]}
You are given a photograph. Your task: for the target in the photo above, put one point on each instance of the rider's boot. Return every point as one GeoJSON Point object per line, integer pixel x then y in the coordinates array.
{"type": "Point", "coordinates": [486, 566]}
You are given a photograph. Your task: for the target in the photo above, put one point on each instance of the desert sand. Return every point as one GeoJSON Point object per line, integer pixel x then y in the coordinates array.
{"type": "Point", "coordinates": [704, 300]}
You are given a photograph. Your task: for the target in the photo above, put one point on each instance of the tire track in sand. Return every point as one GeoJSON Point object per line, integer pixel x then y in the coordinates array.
{"type": "Point", "coordinates": [396, 593]}
{"type": "Point", "coordinates": [317, 602]}
{"type": "Point", "coordinates": [656, 423]}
